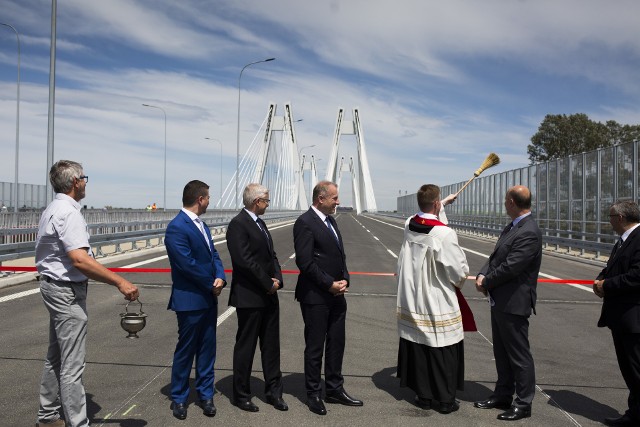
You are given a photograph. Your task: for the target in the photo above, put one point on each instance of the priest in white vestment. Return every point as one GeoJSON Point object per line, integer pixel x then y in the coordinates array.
{"type": "Point", "coordinates": [431, 267]}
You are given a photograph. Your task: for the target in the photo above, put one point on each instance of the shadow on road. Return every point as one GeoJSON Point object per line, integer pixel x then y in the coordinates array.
{"type": "Point", "coordinates": [386, 380]}
{"type": "Point", "coordinates": [578, 404]}
{"type": "Point", "coordinates": [93, 408]}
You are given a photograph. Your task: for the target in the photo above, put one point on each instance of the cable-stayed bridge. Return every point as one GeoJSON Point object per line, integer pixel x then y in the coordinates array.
{"type": "Point", "coordinates": [273, 159]}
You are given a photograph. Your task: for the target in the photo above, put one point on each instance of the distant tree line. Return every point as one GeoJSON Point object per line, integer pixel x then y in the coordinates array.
{"type": "Point", "coordinates": [561, 135]}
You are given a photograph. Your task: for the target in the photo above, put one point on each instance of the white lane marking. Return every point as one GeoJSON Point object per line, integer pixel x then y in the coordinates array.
{"type": "Point", "coordinates": [147, 261]}
{"type": "Point", "coordinates": [224, 316]}
{"type": "Point", "coordinates": [379, 241]}
{"type": "Point", "coordinates": [19, 295]}
{"type": "Point", "coordinates": [548, 276]}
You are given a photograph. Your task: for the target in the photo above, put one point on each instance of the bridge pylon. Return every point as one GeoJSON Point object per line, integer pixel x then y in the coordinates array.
{"type": "Point", "coordinates": [286, 182]}
{"type": "Point", "coordinates": [363, 195]}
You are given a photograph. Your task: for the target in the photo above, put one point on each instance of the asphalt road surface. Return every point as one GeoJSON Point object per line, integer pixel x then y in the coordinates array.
{"type": "Point", "coordinates": [128, 381]}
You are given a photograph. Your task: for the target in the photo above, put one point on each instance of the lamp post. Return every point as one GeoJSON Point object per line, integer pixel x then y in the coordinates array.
{"type": "Point", "coordinates": [164, 201]}
{"type": "Point", "coordinates": [219, 142]}
{"type": "Point", "coordinates": [15, 196]}
{"type": "Point", "coordinates": [235, 203]}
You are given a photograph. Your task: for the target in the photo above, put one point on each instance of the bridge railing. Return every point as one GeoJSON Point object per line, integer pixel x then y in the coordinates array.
{"type": "Point", "coordinates": [117, 230]}
{"type": "Point", "coordinates": [570, 196]}
{"type": "Point", "coordinates": [577, 243]}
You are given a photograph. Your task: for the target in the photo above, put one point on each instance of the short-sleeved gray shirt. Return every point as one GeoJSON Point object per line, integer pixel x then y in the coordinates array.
{"type": "Point", "coordinates": [62, 229]}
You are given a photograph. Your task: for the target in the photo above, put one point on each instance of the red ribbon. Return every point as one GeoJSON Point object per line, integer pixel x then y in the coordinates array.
{"type": "Point", "coordinates": [355, 273]}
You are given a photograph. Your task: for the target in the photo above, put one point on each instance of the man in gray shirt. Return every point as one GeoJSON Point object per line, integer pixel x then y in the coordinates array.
{"type": "Point", "coordinates": [65, 262]}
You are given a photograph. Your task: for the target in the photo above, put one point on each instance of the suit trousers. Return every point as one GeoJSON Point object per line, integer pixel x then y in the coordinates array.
{"type": "Point", "coordinates": [196, 338]}
{"type": "Point", "coordinates": [257, 324]}
{"type": "Point", "coordinates": [324, 329]}
{"type": "Point", "coordinates": [514, 362]}
{"type": "Point", "coordinates": [61, 387]}
{"type": "Point", "coordinates": [627, 347]}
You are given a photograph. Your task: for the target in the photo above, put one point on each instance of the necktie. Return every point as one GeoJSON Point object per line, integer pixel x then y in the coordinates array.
{"type": "Point", "coordinates": [204, 234]}
{"type": "Point", "coordinates": [507, 229]}
{"type": "Point", "coordinates": [328, 222]}
{"type": "Point", "coordinates": [616, 247]}
{"type": "Point", "coordinates": [263, 227]}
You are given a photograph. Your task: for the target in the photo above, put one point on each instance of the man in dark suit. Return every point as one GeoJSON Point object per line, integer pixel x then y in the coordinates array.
{"type": "Point", "coordinates": [254, 285]}
{"type": "Point", "coordinates": [198, 278]}
{"type": "Point", "coordinates": [618, 285]}
{"type": "Point", "coordinates": [509, 279]}
{"type": "Point", "coordinates": [321, 286]}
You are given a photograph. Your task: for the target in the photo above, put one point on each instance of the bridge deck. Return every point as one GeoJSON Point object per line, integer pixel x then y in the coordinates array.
{"type": "Point", "coordinates": [127, 381]}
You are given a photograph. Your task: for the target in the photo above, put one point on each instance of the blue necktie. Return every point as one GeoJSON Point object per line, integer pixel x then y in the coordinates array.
{"type": "Point", "coordinates": [328, 221]}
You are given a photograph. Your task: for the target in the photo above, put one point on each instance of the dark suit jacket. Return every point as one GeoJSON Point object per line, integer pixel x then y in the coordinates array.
{"type": "Point", "coordinates": [194, 265]}
{"type": "Point", "coordinates": [621, 306]}
{"type": "Point", "coordinates": [320, 258]}
{"type": "Point", "coordinates": [254, 263]}
{"type": "Point", "coordinates": [511, 274]}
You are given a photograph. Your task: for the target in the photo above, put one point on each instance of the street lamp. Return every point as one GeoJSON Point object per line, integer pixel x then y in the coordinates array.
{"type": "Point", "coordinates": [164, 202]}
{"type": "Point", "coordinates": [15, 196]}
{"type": "Point", "coordinates": [235, 203]}
{"type": "Point", "coordinates": [302, 148]}
{"type": "Point", "coordinates": [219, 142]}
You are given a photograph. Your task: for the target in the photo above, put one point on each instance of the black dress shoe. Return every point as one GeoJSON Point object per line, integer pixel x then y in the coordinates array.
{"type": "Point", "coordinates": [277, 403]}
{"type": "Point", "coordinates": [624, 420]}
{"type": "Point", "coordinates": [515, 414]}
{"type": "Point", "coordinates": [208, 408]}
{"type": "Point", "coordinates": [316, 406]}
{"type": "Point", "coordinates": [447, 408]}
{"type": "Point", "coordinates": [342, 398]}
{"type": "Point", "coordinates": [248, 406]}
{"type": "Point", "coordinates": [493, 402]}
{"type": "Point", "coordinates": [179, 410]}
{"type": "Point", "coordinates": [422, 402]}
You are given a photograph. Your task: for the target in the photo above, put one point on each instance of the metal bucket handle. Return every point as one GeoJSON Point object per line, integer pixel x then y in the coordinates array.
{"type": "Point", "coordinates": [126, 307]}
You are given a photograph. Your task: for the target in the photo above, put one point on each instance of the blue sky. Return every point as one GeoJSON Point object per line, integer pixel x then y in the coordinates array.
{"type": "Point", "coordinates": [439, 84]}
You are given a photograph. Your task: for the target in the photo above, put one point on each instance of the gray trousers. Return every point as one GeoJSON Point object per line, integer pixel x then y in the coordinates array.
{"type": "Point", "coordinates": [514, 362]}
{"type": "Point", "coordinates": [61, 387]}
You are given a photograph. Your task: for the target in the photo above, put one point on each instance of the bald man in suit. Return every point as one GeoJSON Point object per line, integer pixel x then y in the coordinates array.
{"type": "Point", "coordinates": [321, 286]}
{"type": "Point", "coordinates": [509, 279]}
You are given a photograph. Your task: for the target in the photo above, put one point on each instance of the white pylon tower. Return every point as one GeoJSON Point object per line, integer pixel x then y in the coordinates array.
{"type": "Point", "coordinates": [309, 164]}
{"type": "Point", "coordinates": [287, 179]}
{"type": "Point", "coordinates": [364, 198]}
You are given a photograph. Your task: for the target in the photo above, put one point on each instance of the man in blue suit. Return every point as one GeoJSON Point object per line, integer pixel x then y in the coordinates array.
{"type": "Point", "coordinates": [198, 278]}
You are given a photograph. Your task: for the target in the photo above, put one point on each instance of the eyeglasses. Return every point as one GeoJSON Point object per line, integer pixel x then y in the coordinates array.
{"type": "Point", "coordinates": [85, 177]}
{"type": "Point", "coordinates": [265, 200]}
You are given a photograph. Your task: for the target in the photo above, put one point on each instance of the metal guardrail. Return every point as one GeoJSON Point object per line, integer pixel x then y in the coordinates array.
{"type": "Point", "coordinates": [116, 234]}
{"type": "Point", "coordinates": [583, 244]}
